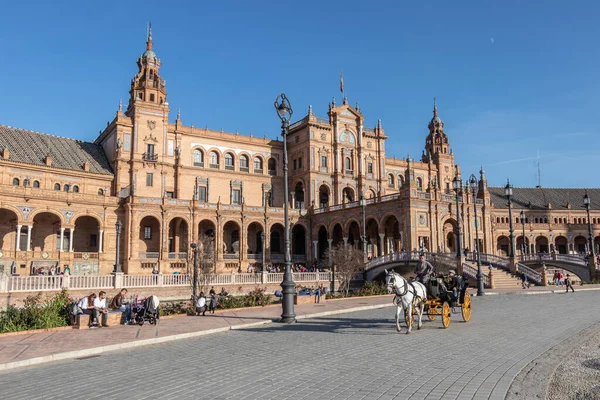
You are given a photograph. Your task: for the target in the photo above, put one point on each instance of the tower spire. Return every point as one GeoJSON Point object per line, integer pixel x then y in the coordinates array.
{"type": "Point", "coordinates": [149, 40]}
{"type": "Point", "coordinates": [434, 108]}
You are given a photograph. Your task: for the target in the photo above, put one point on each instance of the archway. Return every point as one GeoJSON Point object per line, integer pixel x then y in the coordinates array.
{"type": "Point", "coordinates": [299, 195]}
{"type": "Point", "coordinates": [354, 235]}
{"type": "Point", "coordinates": [323, 243]}
{"type": "Point", "coordinates": [581, 244]}
{"type": "Point", "coordinates": [393, 239]}
{"type": "Point", "coordinates": [206, 228]}
{"type": "Point", "coordinates": [86, 238]}
{"type": "Point", "coordinates": [45, 235]}
{"type": "Point", "coordinates": [8, 231]}
{"type": "Point", "coordinates": [276, 239]}
{"type": "Point", "coordinates": [502, 246]}
{"type": "Point", "coordinates": [178, 238]}
{"type": "Point", "coordinates": [561, 245]}
{"type": "Point", "coordinates": [347, 195]}
{"type": "Point", "coordinates": [149, 238]}
{"type": "Point", "coordinates": [255, 241]}
{"type": "Point", "coordinates": [298, 240]}
{"type": "Point", "coordinates": [597, 244]}
{"type": "Point", "coordinates": [323, 196]}
{"type": "Point", "coordinates": [541, 244]}
{"type": "Point", "coordinates": [449, 230]}
{"type": "Point", "coordinates": [231, 238]}
{"type": "Point", "coordinates": [338, 235]}
{"type": "Point", "coordinates": [373, 249]}
{"type": "Point", "coordinates": [522, 246]}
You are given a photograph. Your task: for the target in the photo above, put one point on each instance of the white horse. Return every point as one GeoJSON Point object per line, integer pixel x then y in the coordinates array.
{"type": "Point", "coordinates": [408, 295]}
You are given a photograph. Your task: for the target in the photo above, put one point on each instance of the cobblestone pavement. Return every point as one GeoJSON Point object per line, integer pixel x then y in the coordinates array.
{"type": "Point", "coordinates": [350, 356]}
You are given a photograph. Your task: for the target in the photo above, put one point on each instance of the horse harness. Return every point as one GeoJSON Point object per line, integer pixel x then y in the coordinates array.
{"type": "Point", "coordinates": [398, 296]}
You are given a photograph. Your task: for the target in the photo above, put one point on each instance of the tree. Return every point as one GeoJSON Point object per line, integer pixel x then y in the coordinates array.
{"type": "Point", "coordinates": [346, 261]}
{"type": "Point", "coordinates": [203, 264]}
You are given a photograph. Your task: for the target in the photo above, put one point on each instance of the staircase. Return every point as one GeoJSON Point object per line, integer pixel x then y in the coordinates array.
{"type": "Point", "coordinates": [504, 280]}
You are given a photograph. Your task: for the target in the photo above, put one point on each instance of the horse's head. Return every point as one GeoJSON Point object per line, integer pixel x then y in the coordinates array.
{"type": "Point", "coordinates": [390, 280]}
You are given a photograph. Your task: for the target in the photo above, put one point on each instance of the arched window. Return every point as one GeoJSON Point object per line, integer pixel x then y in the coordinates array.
{"type": "Point", "coordinates": [347, 164]}
{"type": "Point", "coordinates": [198, 158]}
{"type": "Point", "coordinates": [555, 220]}
{"type": "Point", "coordinates": [536, 220]}
{"type": "Point", "coordinates": [419, 184]}
{"type": "Point", "coordinates": [16, 182]}
{"type": "Point", "coordinates": [214, 159]}
{"type": "Point", "coordinates": [75, 189]}
{"type": "Point", "coordinates": [244, 163]}
{"type": "Point", "coordinates": [36, 184]}
{"type": "Point", "coordinates": [100, 192]}
{"type": "Point", "coordinates": [497, 220]}
{"type": "Point", "coordinates": [229, 161]}
{"type": "Point", "coordinates": [57, 186]}
{"type": "Point", "coordinates": [66, 187]}
{"type": "Point", "coordinates": [272, 167]}
{"type": "Point", "coordinates": [258, 165]}
{"type": "Point", "coordinates": [400, 181]}
{"type": "Point", "coordinates": [391, 180]}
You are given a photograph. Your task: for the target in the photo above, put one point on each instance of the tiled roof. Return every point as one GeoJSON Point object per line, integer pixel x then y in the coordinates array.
{"type": "Point", "coordinates": [539, 198]}
{"type": "Point", "coordinates": [32, 148]}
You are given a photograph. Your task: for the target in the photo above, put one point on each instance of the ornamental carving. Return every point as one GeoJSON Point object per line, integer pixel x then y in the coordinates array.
{"type": "Point", "coordinates": [151, 125]}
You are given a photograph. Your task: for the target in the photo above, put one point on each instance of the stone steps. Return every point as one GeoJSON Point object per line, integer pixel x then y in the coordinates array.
{"type": "Point", "coordinates": [504, 280]}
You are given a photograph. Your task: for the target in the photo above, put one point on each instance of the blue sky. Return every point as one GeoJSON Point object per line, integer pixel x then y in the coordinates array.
{"type": "Point", "coordinates": [513, 79]}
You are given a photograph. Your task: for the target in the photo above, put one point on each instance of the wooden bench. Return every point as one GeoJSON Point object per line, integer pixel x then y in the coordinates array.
{"type": "Point", "coordinates": [82, 321]}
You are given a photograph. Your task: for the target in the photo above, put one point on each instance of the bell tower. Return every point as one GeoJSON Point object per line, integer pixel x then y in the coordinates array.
{"type": "Point", "coordinates": [147, 87]}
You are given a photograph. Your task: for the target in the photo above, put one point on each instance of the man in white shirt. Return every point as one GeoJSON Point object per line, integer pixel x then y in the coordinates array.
{"type": "Point", "coordinates": [100, 307]}
{"type": "Point", "coordinates": [201, 304]}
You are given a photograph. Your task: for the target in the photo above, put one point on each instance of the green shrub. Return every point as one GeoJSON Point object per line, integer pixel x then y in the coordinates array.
{"type": "Point", "coordinates": [176, 308]}
{"type": "Point", "coordinates": [37, 313]}
{"type": "Point", "coordinates": [257, 297]}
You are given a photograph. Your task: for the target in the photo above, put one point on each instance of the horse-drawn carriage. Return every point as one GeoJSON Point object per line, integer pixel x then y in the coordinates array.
{"type": "Point", "coordinates": [432, 298]}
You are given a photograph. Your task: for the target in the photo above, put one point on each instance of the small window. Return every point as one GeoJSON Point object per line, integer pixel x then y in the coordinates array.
{"type": "Point", "coordinates": [150, 149]}
{"type": "Point", "coordinates": [391, 180]}
{"type": "Point", "coordinates": [229, 161]}
{"type": "Point", "coordinates": [202, 197]}
{"type": "Point", "coordinates": [66, 187]}
{"type": "Point", "coordinates": [244, 163]}
{"type": "Point", "coordinates": [198, 158]}
{"type": "Point", "coordinates": [214, 159]}
{"type": "Point", "coordinates": [151, 96]}
{"type": "Point", "coordinates": [347, 164]}
{"type": "Point", "coordinates": [258, 165]}
{"type": "Point", "coordinates": [16, 182]}
{"type": "Point", "coordinates": [140, 95]}
{"type": "Point", "coordinates": [147, 232]}
{"type": "Point", "coordinates": [401, 182]}
{"type": "Point", "coordinates": [151, 74]}
{"type": "Point", "coordinates": [149, 178]}
{"type": "Point", "coordinates": [93, 240]}
{"type": "Point", "coordinates": [419, 184]}
{"type": "Point", "coordinates": [75, 189]}
{"type": "Point", "coordinates": [300, 163]}
{"type": "Point", "coordinates": [236, 196]}
{"type": "Point", "coordinates": [36, 184]}
{"type": "Point", "coordinates": [57, 186]}
{"type": "Point", "coordinates": [369, 168]}
{"type": "Point", "coordinates": [169, 195]}
{"type": "Point", "coordinates": [272, 167]}
{"type": "Point", "coordinates": [295, 164]}
{"type": "Point", "coordinates": [101, 192]}
{"type": "Point", "coordinates": [324, 161]}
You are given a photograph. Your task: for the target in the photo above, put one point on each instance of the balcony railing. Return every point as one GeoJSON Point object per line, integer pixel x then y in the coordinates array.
{"type": "Point", "coordinates": [244, 169]}
{"type": "Point", "coordinates": [153, 157]}
{"type": "Point", "coordinates": [231, 256]}
{"type": "Point", "coordinates": [273, 172]}
{"type": "Point", "coordinates": [177, 256]}
{"type": "Point", "coordinates": [149, 255]}
{"type": "Point", "coordinates": [199, 164]}
{"type": "Point", "coordinates": [258, 171]}
{"type": "Point", "coordinates": [229, 167]}
{"type": "Point", "coordinates": [214, 166]}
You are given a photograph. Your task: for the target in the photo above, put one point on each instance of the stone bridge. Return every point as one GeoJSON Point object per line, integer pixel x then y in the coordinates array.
{"type": "Point", "coordinates": [574, 264]}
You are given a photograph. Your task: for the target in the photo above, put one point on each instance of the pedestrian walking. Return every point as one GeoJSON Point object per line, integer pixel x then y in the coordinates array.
{"type": "Point", "coordinates": [568, 284]}
{"type": "Point", "coordinates": [524, 283]}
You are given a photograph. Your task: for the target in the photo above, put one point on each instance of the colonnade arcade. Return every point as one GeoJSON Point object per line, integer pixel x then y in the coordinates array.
{"type": "Point", "coordinates": [532, 244]}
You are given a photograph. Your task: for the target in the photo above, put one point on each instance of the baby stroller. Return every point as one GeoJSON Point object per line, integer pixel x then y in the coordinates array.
{"type": "Point", "coordinates": [146, 310]}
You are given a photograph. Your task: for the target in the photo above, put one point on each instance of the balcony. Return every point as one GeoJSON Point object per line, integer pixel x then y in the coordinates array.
{"type": "Point", "coordinates": [231, 256]}
{"type": "Point", "coordinates": [258, 171]}
{"type": "Point", "coordinates": [244, 169]}
{"type": "Point", "coordinates": [150, 157]}
{"type": "Point", "coordinates": [177, 256]}
{"type": "Point", "coordinates": [229, 167]}
{"type": "Point", "coordinates": [272, 172]}
{"type": "Point", "coordinates": [199, 164]}
{"type": "Point", "coordinates": [149, 255]}
{"type": "Point", "coordinates": [214, 166]}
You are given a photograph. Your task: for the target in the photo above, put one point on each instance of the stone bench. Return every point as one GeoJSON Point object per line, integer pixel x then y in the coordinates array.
{"type": "Point", "coordinates": [82, 321]}
{"type": "Point", "coordinates": [307, 299]}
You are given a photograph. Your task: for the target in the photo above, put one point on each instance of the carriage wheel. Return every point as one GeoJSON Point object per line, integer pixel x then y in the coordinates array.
{"type": "Point", "coordinates": [433, 313]}
{"type": "Point", "coordinates": [412, 321]}
{"type": "Point", "coordinates": [446, 312]}
{"type": "Point", "coordinates": [466, 307]}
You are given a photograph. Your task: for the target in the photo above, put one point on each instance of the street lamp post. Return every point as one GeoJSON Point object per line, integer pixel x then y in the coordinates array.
{"type": "Point", "coordinates": [264, 250]}
{"type": "Point", "coordinates": [457, 186]}
{"type": "Point", "coordinates": [194, 247]}
{"type": "Point", "coordinates": [508, 192]}
{"type": "Point", "coordinates": [586, 202]}
{"type": "Point", "coordinates": [522, 215]}
{"type": "Point", "coordinates": [363, 205]}
{"type": "Point", "coordinates": [284, 112]}
{"type": "Point", "coordinates": [118, 226]}
{"type": "Point", "coordinates": [474, 187]}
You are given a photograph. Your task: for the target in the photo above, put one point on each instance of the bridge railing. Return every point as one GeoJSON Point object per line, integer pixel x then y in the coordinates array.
{"type": "Point", "coordinates": [532, 275]}
{"type": "Point", "coordinates": [571, 258]}
{"type": "Point", "coordinates": [497, 261]}
{"type": "Point", "coordinates": [471, 272]}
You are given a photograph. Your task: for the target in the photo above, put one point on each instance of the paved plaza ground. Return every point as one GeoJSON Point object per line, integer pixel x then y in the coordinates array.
{"type": "Point", "coordinates": [354, 355]}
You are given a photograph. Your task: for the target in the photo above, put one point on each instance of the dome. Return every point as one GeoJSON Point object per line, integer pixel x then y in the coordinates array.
{"type": "Point", "coordinates": [149, 54]}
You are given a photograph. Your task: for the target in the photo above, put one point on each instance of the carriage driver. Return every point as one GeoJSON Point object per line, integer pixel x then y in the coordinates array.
{"type": "Point", "coordinates": [452, 283]}
{"type": "Point", "coordinates": [423, 269]}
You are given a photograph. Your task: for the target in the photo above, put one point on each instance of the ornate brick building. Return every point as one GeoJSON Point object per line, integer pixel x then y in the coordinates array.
{"type": "Point", "coordinates": [170, 184]}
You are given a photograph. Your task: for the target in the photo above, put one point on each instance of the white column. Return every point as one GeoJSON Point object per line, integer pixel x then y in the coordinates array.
{"type": "Point", "coordinates": [100, 234]}
{"type": "Point", "coordinates": [18, 241]}
{"type": "Point", "coordinates": [315, 249]}
{"type": "Point", "coordinates": [329, 243]}
{"type": "Point", "coordinates": [71, 240]}
{"type": "Point", "coordinates": [62, 238]}
{"type": "Point", "coordinates": [382, 244]}
{"type": "Point", "coordinates": [29, 228]}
